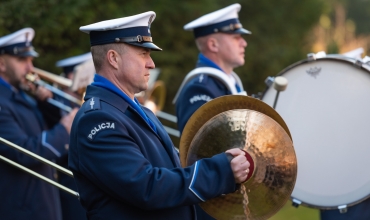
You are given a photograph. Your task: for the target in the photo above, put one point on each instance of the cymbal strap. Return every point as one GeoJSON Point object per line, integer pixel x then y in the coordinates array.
{"type": "Point", "coordinates": [251, 167]}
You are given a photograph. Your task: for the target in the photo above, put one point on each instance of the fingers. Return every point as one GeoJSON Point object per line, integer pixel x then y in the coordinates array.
{"type": "Point", "coordinates": [240, 168]}
{"type": "Point", "coordinates": [67, 120]}
{"type": "Point", "coordinates": [235, 152]}
{"type": "Point", "coordinates": [42, 93]}
{"type": "Point", "coordinates": [73, 113]}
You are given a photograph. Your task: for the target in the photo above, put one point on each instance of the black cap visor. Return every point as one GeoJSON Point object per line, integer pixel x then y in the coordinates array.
{"type": "Point", "coordinates": [146, 45]}
{"type": "Point", "coordinates": [240, 31]}
{"type": "Point", "coordinates": [20, 51]}
{"type": "Point", "coordinates": [30, 53]}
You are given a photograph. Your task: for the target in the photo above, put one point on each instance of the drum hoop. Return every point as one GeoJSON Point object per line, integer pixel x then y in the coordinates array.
{"type": "Point", "coordinates": [330, 207]}
{"type": "Point", "coordinates": [334, 57]}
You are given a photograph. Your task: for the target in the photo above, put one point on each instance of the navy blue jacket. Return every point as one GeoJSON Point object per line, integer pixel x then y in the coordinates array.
{"type": "Point", "coordinates": [195, 93]}
{"type": "Point", "coordinates": [25, 196]}
{"type": "Point", "coordinates": [125, 170]}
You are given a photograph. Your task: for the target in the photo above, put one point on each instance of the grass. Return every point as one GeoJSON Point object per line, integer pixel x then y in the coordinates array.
{"type": "Point", "coordinates": [289, 212]}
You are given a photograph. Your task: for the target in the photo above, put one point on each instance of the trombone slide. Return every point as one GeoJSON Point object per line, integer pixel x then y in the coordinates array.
{"type": "Point", "coordinates": [52, 182]}
{"type": "Point", "coordinates": [52, 77]}
{"type": "Point", "coordinates": [59, 105]}
{"type": "Point", "coordinates": [37, 157]}
{"type": "Point", "coordinates": [32, 78]}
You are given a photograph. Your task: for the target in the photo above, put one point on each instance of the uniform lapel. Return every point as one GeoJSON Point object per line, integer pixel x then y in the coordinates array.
{"type": "Point", "coordinates": [145, 122]}
{"type": "Point", "coordinates": [165, 139]}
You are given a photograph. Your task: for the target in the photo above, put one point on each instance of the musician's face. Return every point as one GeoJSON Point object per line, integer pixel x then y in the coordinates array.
{"type": "Point", "coordinates": [232, 48]}
{"type": "Point", "coordinates": [13, 69]}
{"type": "Point", "coordinates": [134, 69]}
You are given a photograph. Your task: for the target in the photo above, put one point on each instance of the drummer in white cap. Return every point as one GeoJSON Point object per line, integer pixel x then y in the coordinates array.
{"type": "Point", "coordinates": [123, 161]}
{"type": "Point", "coordinates": [218, 36]}
{"type": "Point", "coordinates": [69, 63]}
{"type": "Point", "coordinates": [53, 114]}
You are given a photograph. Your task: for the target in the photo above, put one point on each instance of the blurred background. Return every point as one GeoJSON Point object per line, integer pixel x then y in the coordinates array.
{"type": "Point", "coordinates": [283, 32]}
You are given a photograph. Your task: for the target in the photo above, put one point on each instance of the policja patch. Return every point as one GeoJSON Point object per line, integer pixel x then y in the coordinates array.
{"type": "Point", "coordinates": [99, 127]}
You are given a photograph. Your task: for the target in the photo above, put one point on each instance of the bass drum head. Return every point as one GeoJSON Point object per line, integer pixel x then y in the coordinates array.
{"type": "Point", "coordinates": [327, 109]}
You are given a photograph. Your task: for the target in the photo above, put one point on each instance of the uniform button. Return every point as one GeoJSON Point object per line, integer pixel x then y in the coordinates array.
{"type": "Point", "coordinates": [55, 176]}
{"type": "Point", "coordinates": [66, 146]}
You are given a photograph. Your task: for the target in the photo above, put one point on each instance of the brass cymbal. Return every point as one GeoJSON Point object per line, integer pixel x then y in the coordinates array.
{"type": "Point", "coordinates": [266, 141]}
{"type": "Point", "coordinates": [216, 106]}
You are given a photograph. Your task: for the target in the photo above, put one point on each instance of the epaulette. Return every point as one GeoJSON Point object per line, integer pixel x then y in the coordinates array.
{"type": "Point", "coordinates": [201, 79]}
{"type": "Point", "coordinates": [92, 104]}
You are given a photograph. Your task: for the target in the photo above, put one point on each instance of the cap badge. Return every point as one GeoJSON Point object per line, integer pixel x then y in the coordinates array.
{"type": "Point", "coordinates": [27, 42]}
{"type": "Point", "coordinates": [150, 22]}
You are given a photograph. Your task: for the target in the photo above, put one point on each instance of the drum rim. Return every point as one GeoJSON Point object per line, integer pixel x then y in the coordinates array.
{"type": "Point", "coordinates": [328, 207]}
{"type": "Point", "coordinates": [335, 57]}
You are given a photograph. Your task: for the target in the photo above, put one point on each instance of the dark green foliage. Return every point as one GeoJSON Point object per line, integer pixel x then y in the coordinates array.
{"type": "Point", "coordinates": [280, 30]}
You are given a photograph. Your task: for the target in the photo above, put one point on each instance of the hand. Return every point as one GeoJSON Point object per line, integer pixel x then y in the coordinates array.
{"type": "Point", "coordinates": [67, 120]}
{"type": "Point", "coordinates": [239, 165]}
{"type": "Point", "coordinates": [42, 93]}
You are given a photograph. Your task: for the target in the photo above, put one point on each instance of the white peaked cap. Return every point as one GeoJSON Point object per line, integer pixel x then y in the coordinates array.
{"type": "Point", "coordinates": [133, 30]}
{"type": "Point", "coordinates": [23, 35]}
{"type": "Point", "coordinates": [18, 43]}
{"type": "Point", "coordinates": [120, 23]}
{"type": "Point", "coordinates": [75, 60]}
{"type": "Point", "coordinates": [223, 20]}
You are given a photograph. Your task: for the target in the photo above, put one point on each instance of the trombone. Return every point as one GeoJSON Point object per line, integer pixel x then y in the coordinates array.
{"type": "Point", "coordinates": [37, 157]}
{"type": "Point", "coordinates": [61, 81]}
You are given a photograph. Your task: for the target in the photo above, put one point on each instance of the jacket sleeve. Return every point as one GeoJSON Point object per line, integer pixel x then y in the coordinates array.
{"type": "Point", "coordinates": [49, 144]}
{"type": "Point", "coordinates": [114, 162]}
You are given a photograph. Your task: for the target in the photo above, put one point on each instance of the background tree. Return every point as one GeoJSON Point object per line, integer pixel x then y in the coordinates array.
{"type": "Point", "coordinates": [279, 32]}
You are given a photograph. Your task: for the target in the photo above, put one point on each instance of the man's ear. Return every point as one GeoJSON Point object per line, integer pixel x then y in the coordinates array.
{"type": "Point", "coordinates": [212, 44]}
{"type": "Point", "coordinates": [112, 57]}
{"type": "Point", "coordinates": [2, 64]}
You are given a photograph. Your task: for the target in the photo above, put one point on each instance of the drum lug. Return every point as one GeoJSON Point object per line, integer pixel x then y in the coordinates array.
{"type": "Point", "coordinates": [358, 63]}
{"type": "Point", "coordinates": [311, 56]}
{"type": "Point", "coordinates": [342, 209]}
{"type": "Point", "coordinates": [296, 202]}
{"type": "Point", "coordinates": [258, 95]}
{"type": "Point", "coordinates": [269, 81]}
{"type": "Point", "coordinates": [315, 56]}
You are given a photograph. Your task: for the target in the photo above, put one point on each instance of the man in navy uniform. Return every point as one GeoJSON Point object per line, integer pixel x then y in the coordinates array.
{"type": "Point", "coordinates": [124, 162]}
{"type": "Point", "coordinates": [218, 36]}
{"type": "Point", "coordinates": [25, 196]}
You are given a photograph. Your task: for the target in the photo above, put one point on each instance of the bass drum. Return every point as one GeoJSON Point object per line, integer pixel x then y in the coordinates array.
{"type": "Point", "coordinates": [327, 109]}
